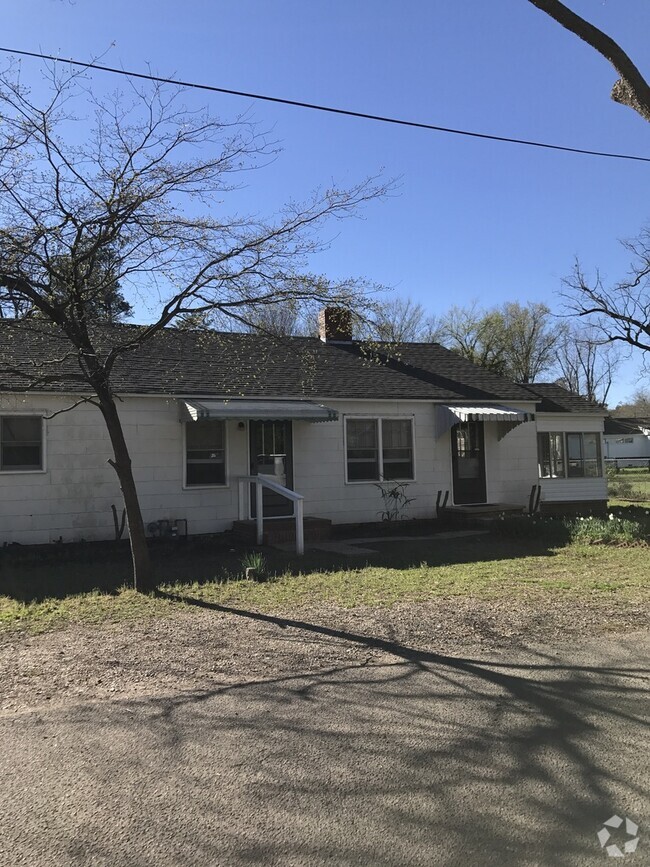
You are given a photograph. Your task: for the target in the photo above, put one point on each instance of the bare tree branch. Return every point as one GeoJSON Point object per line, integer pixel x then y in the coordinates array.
{"type": "Point", "coordinates": [631, 89]}
{"type": "Point", "coordinates": [620, 313]}
{"type": "Point", "coordinates": [136, 200]}
{"type": "Point", "coordinates": [79, 402]}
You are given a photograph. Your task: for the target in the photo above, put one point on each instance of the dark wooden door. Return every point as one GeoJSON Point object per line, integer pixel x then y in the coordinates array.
{"type": "Point", "coordinates": [271, 451]}
{"type": "Point", "coordinates": [468, 462]}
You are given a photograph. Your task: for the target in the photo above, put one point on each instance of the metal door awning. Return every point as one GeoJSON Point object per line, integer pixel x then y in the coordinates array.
{"type": "Point", "coordinates": [506, 417]}
{"type": "Point", "coordinates": [256, 410]}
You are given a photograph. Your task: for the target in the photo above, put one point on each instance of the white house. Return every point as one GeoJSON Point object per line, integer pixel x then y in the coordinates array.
{"type": "Point", "coordinates": [627, 441]}
{"type": "Point", "coordinates": [328, 419]}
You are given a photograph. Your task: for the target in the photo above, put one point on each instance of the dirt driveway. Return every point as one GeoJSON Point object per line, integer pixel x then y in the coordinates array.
{"type": "Point", "coordinates": [437, 734]}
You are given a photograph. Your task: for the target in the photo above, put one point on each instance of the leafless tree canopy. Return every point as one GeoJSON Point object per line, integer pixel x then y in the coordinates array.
{"type": "Point", "coordinates": [514, 340]}
{"type": "Point", "coordinates": [631, 88]}
{"type": "Point", "coordinates": [474, 333]}
{"type": "Point", "coordinates": [400, 320]}
{"type": "Point", "coordinates": [142, 179]}
{"type": "Point", "coordinates": [620, 312]}
{"type": "Point", "coordinates": [586, 363]}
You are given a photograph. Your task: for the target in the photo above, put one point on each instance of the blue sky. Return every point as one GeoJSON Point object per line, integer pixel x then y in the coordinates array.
{"type": "Point", "coordinates": [471, 219]}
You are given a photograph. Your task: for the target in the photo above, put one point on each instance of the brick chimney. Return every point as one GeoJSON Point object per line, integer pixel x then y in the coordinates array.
{"type": "Point", "coordinates": [335, 325]}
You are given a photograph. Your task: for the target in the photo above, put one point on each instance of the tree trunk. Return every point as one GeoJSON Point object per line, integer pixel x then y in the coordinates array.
{"type": "Point", "coordinates": [143, 577]}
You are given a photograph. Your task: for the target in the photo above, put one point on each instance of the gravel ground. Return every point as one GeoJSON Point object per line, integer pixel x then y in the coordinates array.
{"type": "Point", "coordinates": [199, 649]}
{"type": "Point", "coordinates": [211, 740]}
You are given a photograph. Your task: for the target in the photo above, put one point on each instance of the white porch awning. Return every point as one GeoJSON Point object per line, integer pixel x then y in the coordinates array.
{"type": "Point", "coordinates": [506, 417]}
{"type": "Point", "coordinates": [257, 410]}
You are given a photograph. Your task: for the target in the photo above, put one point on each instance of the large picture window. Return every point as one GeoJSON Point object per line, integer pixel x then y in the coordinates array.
{"type": "Point", "coordinates": [205, 453]}
{"type": "Point", "coordinates": [21, 442]}
{"type": "Point", "coordinates": [569, 455]}
{"type": "Point", "coordinates": [379, 449]}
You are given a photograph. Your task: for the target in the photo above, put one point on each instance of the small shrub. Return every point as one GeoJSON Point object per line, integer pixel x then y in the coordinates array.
{"type": "Point", "coordinates": [255, 562]}
{"type": "Point", "coordinates": [587, 531]}
{"type": "Point", "coordinates": [622, 489]}
{"type": "Point", "coordinates": [620, 485]}
{"type": "Point", "coordinates": [607, 531]}
{"type": "Point", "coordinates": [395, 500]}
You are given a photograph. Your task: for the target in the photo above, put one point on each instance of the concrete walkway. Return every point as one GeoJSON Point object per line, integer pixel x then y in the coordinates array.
{"type": "Point", "coordinates": [357, 547]}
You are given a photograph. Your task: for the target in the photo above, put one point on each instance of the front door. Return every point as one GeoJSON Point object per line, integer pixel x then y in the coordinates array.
{"type": "Point", "coordinates": [272, 456]}
{"type": "Point", "coordinates": [468, 462]}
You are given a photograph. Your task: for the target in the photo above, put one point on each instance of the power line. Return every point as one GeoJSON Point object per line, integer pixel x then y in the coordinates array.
{"type": "Point", "coordinates": [327, 108]}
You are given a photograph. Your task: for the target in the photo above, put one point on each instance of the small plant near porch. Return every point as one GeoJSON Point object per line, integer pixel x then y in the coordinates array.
{"type": "Point", "coordinates": [254, 565]}
{"type": "Point", "coordinates": [393, 495]}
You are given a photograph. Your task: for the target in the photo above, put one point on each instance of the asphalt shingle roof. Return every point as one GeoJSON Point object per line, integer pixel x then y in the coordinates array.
{"type": "Point", "coordinates": [625, 426]}
{"type": "Point", "coordinates": [555, 398]}
{"type": "Point", "coordinates": [190, 363]}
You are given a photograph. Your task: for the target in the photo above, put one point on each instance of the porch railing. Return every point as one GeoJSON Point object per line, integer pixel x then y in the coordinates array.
{"type": "Point", "coordinates": [260, 483]}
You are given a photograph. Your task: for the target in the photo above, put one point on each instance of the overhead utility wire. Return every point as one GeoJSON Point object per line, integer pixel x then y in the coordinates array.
{"type": "Point", "coordinates": [328, 108]}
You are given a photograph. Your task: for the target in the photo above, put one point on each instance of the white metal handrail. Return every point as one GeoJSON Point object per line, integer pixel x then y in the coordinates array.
{"type": "Point", "coordinates": [261, 482]}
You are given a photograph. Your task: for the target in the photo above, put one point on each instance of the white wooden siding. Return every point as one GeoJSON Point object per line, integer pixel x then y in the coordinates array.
{"type": "Point", "coordinates": [511, 463]}
{"type": "Point", "coordinates": [638, 448]}
{"type": "Point", "coordinates": [72, 498]}
{"type": "Point", "coordinates": [561, 490]}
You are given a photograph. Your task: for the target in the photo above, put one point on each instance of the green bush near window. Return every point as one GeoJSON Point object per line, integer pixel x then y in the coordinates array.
{"type": "Point", "coordinates": [609, 531]}
{"type": "Point", "coordinates": [612, 530]}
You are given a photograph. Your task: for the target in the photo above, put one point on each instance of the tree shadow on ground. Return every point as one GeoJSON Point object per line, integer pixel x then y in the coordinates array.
{"type": "Point", "coordinates": [409, 758]}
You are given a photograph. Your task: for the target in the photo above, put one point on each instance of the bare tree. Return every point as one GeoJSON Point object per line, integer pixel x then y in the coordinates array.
{"type": "Point", "coordinates": [400, 320]}
{"type": "Point", "coordinates": [476, 334]}
{"type": "Point", "coordinates": [587, 364]}
{"type": "Point", "coordinates": [291, 312]}
{"type": "Point", "coordinates": [514, 340]}
{"type": "Point", "coordinates": [530, 340]}
{"type": "Point", "coordinates": [631, 88]}
{"type": "Point", "coordinates": [146, 177]}
{"type": "Point", "coordinates": [621, 313]}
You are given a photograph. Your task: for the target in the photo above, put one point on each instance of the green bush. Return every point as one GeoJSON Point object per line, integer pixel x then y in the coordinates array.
{"type": "Point", "coordinates": [621, 484]}
{"type": "Point", "coordinates": [256, 562]}
{"type": "Point", "coordinates": [587, 531]}
{"type": "Point", "coordinates": [608, 531]}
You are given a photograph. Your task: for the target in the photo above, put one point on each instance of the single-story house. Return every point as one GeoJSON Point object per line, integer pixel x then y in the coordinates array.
{"type": "Point", "coordinates": [627, 441]}
{"type": "Point", "coordinates": [327, 418]}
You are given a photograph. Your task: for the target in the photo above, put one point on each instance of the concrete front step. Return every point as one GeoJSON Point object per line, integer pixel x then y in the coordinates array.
{"type": "Point", "coordinates": [279, 531]}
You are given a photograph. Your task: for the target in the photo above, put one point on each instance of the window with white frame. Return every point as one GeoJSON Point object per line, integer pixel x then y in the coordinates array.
{"type": "Point", "coordinates": [569, 455]}
{"type": "Point", "coordinates": [583, 455]}
{"type": "Point", "coordinates": [379, 449]}
{"type": "Point", "coordinates": [550, 450]}
{"type": "Point", "coordinates": [205, 453]}
{"type": "Point", "coordinates": [21, 442]}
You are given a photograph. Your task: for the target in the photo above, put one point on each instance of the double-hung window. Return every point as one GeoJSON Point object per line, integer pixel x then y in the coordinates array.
{"type": "Point", "coordinates": [21, 442]}
{"type": "Point", "coordinates": [205, 453]}
{"type": "Point", "coordinates": [572, 455]}
{"type": "Point", "coordinates": [379, 449]}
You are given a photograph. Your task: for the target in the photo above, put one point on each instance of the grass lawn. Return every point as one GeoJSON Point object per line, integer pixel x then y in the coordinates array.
{"type": "Point", "coordinates": [40, 596]}
{"type": "Point", "coordinates": [630, 484]}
